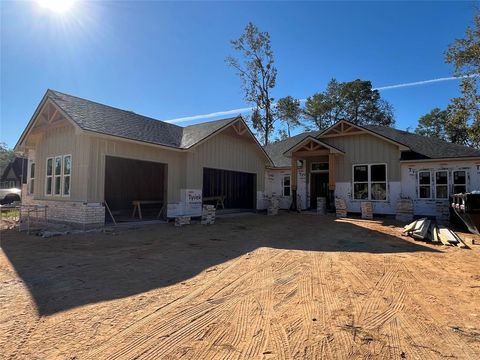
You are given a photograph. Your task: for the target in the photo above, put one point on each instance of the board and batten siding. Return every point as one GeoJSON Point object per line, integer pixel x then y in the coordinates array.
{"type": "Point", "coordinates": [226, 152]}
{"type": "Point", "coordinates": [365, 149]}
{"type": "Point", "coordinates": [102, 147]}
{"type": "Point", "coordinates": [63, 140]}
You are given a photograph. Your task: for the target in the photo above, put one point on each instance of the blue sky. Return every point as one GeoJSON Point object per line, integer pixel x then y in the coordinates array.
{"type": "Point", "coordinates": [166, 60]}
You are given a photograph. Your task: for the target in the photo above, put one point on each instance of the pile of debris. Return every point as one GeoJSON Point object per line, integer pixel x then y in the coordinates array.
{"type": "Point", "coordinates": [367, 210]}
{"type": "Point", "coordinates": [340, 208]}
{"type": "Point", "coordinates": [404, 210]}
{"type": "Point", "coordinates": [182, 220]}
{"type": "Point", "coordinates": [321, 205]}
{"type": "Point", "coordinates": [273, 206]}
{"type": "Point", "coordinates": [208, 215]}
{"type": "Point", "coordinates": [428, 230]}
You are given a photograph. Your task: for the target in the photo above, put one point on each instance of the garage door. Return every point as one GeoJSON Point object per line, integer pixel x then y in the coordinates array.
{"type": "Point", "coordinates": [128, 180]}
{"type": "Point", "coordinates": [238, 188]}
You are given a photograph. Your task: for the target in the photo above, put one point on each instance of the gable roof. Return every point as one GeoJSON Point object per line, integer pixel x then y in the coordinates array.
{"type": "Point", "coordinates": [315, 140]}
{"type": "Point", "coordinates": [18, 165]}
{"type": "Point", "coordinates": [424, 147]}
{"type": "Point", "coordinates": [277, 149]}
{"type": "Point", "coordinates": [107, 120]}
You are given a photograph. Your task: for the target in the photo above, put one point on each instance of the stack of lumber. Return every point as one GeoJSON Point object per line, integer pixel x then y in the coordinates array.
{"type": "Point", "coordinates": [340, 208]}
{"type": "Point", "coordinates": [182, 220]}
{"type": "Point", "coordinates": [367, 210]}
{"type": "Point", "coordinates": [404, 210]}
{"type": "Point", "coordinates": [428, 230]}
{"type": "Point", "coordinates": [208, 215]}
{"type": "Point", "coordinates": [321, 205]}
{"type": "Point", "coordinates": [273, 206]}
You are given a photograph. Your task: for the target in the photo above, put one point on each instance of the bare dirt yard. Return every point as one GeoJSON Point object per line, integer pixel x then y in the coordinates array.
{"type": "Point", "coordinates": [249, 287]}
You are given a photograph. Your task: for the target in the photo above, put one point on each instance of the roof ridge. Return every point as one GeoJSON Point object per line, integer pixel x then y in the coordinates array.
{"type": "Point", "coordinates": [113, 107]}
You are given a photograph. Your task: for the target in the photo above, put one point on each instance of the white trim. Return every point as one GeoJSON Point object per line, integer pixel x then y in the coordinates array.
{"type": "Point", "coordinates": [476, 158]}
{"type": "Point", "coordinates": [458, 184]}
{"type": "Point", "coordinates": [430, 184]}
{"type": "Point", "coordinates": [369, 182]}
{"type": "Point", "coordinates": [289, 186]}
{"type": "Point", "coordinates": [31, 191]}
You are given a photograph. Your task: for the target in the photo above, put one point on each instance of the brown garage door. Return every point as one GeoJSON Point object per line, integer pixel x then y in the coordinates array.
{"type": "Point", "coordinates": [127, 180]}
{"type": "Point", "coordinates": [239, 188]}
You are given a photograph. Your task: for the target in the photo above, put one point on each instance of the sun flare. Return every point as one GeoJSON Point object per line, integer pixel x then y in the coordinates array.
{"type": "Point", "coordinates": [57, 6]}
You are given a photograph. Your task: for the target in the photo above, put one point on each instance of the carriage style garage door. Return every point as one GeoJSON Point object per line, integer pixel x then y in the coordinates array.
{"type": "Point", "coordinates": [128, 180]}
{"type": "Point", "coordinates": [238, 188]}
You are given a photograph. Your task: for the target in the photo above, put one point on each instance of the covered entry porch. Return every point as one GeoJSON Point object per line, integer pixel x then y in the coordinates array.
{"type": "Point", "coordinates": [319, 159]}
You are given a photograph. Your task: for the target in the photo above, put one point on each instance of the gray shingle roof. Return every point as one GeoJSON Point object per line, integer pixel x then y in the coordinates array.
{"type": "Point", "coordinates": [424, 147]}
{"type": "Point", "coordinates": [104, 119]}
{"type": "Point", "coordinates": [275, 150]}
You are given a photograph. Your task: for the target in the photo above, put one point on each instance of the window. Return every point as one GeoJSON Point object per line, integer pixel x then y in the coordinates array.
{"type": "Point", "coordinates": [49, 177]}
{"type": "Point", "coordinates": [31, 180]}
{"type": "Point", "coordinates": [424, 185]}
{"type": "Point", "coordinates": [459, 181]}
{"type": "Point", "coordinates": [370, 182]}
{"type": "Point", "coordinates": [286, 185]}
{"type": "Point", "coordinates": [378, 179]}
{"type": "Point", "coordinates": [67, 170]}
{"type": "Point", "coordinates": [58, 175]}
{"type": "Point", "coordinates": [441, 184]}
{"type": "Point", "coordinates": [319, 166]}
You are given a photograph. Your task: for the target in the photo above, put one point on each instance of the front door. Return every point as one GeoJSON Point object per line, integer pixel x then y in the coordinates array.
{"type": "Point", "coordinates": [318, 188]}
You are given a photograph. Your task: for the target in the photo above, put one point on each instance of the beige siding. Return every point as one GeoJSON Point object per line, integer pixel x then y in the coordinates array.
{"type": "Point", "coordinates": [101, 147]}
{"type": "Point", "coordinates": [62, 141]}
{"type": "Point", "coordinates": [227, 152]}
{"type": "Point", "coordinates": [365, 149]}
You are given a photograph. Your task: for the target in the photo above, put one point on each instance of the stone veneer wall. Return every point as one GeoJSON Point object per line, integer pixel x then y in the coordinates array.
{"type": "Point", "coordinates": [78, 214]}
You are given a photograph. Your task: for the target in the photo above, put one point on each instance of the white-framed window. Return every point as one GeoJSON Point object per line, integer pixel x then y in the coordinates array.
{"type": "Point", "coordinates": [441, 184]}
{"type": "Point", "coordinates": [319, 166]}
{"type": "Point", "coordinates": [286, 189]}
{"type": "Point", "coordinates": [31, 179]}
{"type": "Point", "coordinates": [370, 182]}
{"type": "Point", "coordinates": [459, 182]}
{"type": "Point", "coordinates": [424, 184]}
{"type": "Point", "coordinates": [58, 175]}
{"type": "Point", "coordinates": [57, 171]}
{"type": "Point", "coordinates": [67, 172]}
{"type": "Point", "coordinates": [49, 176]}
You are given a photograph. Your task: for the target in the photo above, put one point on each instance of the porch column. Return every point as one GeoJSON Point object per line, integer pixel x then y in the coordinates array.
{"type": "Point", "coordinates": [331, 179]}
{"type": "Point", "coordinates": [293, 178]}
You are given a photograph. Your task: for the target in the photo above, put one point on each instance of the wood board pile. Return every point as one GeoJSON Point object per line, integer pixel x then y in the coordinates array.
{"type": "Point", "coordinates": [182, 220]}
{"type": "Point", "coordinates": [273, 206]}
{"type": "Point", "coordinates": [367, 210]}
{"type": "Point", "coordinates": [404, 210]}
{"type": "Point", "coordinates": [208, 215]}
{"type": "Point", "coordinates": [321, 205]}
{"type": "Point", "coordinates": [428, 230]}
{"type": "Point", "coordinates": [340, 208]}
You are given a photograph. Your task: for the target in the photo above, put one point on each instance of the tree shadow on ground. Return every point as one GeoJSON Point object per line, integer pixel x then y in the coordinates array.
{"type": "Point", "coordinates": [73, 270]}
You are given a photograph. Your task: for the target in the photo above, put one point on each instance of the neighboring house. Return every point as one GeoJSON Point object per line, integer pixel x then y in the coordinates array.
{"type": "Point", "coordinates": [371, 163]}
{"type": "Point", "coordinates": [14, 174]}
{"type": "Point", "coordinates": [82, 154]}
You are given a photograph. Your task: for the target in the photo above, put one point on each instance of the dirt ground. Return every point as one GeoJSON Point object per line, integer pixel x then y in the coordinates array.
{"type": "Point", "coordinates": [249, 287]}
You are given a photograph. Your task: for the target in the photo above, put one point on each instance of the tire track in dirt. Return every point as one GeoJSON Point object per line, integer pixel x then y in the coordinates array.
{"type": "Point", "coordinates": [123, 339]}
{"type": "Point", "coordinates": [332, 324]}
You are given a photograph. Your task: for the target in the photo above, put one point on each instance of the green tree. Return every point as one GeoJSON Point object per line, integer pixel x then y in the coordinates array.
{"type": "Point", "coordinates": [354, 101]}
{"type": "Point", "coordinates": [464, 111]}
{"type": "Point", "coordinates": [456, 127]}
{"type": "Point", "coordinates": [289, 112]}
{"type": "Point", "coordinates": [433, 124]}
{"type": "Point", "coordinates": [6, 155]}
{"type": "Point", "coordinates": [257, 75]}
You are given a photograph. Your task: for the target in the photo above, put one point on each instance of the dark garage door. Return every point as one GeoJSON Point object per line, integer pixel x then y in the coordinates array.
{"type": "Point", "coordinates": [239, 188]}
{"type": "Point", "coordinates": [127, 180]}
